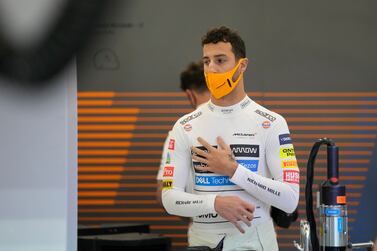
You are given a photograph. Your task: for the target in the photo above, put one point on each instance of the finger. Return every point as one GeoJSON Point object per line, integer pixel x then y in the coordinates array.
{"type": "Point", "coordinates": [201, 168]}
{"type": "Point", "coordinates": [250, 218]}
{"type": "Point", "coordinates": [249, 207]}
{"type": "Point", "coordinates": [238, 227]}
{"type": "Point", "coordinates": [246, 220]}
{"type": "Point", "coordinates": [199, 152]}
{"type": "Point", "coordinates": [222, 144]}
{"type": "Point", "coordinates": [206, 144]}
{"type": "Point", "coordinates": [197, 158]}
{"type": "Point", "coordinates": [248, 215]}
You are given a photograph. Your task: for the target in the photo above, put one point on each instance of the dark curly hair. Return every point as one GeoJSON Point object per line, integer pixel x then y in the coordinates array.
{"type": "Point", "coordinates": [193, 78]}
{"type": "Point", "coordinates": [224, 34]}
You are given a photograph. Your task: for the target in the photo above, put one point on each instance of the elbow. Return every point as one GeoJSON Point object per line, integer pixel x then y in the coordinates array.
{"type": "Point", "coordinates": [159, 193]}
{"type": "Point", "coordinates": [165, 201]}
{"type": "Point", "coordinates": [291, 207]}
{"type": "Point", "coordinates": [291, 203]}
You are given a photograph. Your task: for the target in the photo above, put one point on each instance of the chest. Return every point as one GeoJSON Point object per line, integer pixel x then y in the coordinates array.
{"type": "Point", "coordinates": [243, 136]}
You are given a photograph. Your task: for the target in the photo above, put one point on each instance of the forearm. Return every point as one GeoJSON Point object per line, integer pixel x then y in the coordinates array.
{"type": "Point", "coordinates": [279, 194]}
{"type": "Point", "coordinates": [180, 203]}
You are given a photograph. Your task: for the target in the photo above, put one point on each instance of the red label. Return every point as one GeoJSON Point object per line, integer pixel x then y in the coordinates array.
{"type": "Point", "coordinates": [341, 199]}
{"type": "Point", "coordinates": [168, 171]}
{"type": "Point", "coordinates": [291, 176]}
{"type": "Point", "coordinates": [171, 144]}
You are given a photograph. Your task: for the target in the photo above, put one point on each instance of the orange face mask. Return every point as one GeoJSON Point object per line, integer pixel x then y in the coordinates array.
{"type": "Point", "coordinates": [221, 84]}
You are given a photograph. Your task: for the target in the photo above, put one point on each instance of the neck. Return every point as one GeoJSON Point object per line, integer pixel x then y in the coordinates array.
{"type": "Point", "coordinates": [232, 98]}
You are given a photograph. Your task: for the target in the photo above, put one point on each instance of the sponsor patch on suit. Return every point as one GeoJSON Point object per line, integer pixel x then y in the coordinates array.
{"type": "Point", "coordinates": [245, 150]}
{"type": "Point", "coordinates": [285, 139]}
{"type": "Point", "coordinates": [251, 164]}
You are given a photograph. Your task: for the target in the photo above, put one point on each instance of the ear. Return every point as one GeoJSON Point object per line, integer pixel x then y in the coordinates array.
{"type": "Point", "coordinates": [191, 97]}
{"type": "Point", "coordinates": [243, 65]}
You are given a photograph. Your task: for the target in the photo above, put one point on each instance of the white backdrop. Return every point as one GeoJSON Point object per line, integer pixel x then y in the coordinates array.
{"type": "Point", "coordinates": [38, 165]}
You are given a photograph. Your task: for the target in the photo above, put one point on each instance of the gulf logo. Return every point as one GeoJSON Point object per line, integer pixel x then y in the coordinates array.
{"type": "Point", "coordinates": [266, 124]}
{"type": "Point", "coordinates": [187, 127]}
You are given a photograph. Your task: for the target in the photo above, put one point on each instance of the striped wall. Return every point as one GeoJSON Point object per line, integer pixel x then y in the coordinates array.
{"type": "Point", "coordinates": [121, 136]}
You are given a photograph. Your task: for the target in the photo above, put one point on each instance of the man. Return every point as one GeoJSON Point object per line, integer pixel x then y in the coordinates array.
{"type": "Point", "coordinates": [194, 85]}
{"type": "Point", "coordinates": [240, 154]}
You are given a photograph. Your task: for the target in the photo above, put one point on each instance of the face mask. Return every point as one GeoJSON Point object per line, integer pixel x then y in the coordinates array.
{"type": "Point", "coordinates": [221, 84]}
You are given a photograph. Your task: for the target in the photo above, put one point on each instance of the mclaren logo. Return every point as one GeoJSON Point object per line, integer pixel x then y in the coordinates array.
{"type": "Point", "coordinates": [266, 115]}
{"type": "Point", "coordinates": [245, 150]}
{"type": "Point", "coordinates": [190, 117]}
{"type": "Point", "coordinates": [241, 134]}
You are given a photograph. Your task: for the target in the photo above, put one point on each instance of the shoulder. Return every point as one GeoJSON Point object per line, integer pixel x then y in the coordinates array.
{"type": "Point", "coordinates": [264, 114]}
{"type": "Point", "coordinates": [192, 116]}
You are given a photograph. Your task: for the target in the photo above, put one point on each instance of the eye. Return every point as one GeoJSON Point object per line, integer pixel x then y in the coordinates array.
{"type": "Point", "coordinates": [220, 60]}
{"type": "Point", "coordinates": [205, 61]}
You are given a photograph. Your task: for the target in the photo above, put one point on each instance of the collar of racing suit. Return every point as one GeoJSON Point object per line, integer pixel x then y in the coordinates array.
{"type": "Point", "coordinates": [229, 110]}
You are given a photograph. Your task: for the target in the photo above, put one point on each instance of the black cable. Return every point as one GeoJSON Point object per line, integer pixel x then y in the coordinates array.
{"type": "Point", "coordinates": [309, 191]}
{"type": "Point", "coordinates": [309, 195]}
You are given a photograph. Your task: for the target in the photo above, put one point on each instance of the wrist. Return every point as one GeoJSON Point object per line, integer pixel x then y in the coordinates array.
{"type": "Point", "coordinates": [232, 168]}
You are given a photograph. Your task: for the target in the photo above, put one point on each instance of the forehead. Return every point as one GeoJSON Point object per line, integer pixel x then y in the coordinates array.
{"type": "Point", "coordinates": [218, 49]}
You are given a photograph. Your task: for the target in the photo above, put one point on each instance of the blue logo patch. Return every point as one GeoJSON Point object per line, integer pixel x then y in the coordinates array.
{"type": "Point", "coordinates": [340, 225]}
{"type": "Point", "coordinates": [332, 212]}
{"type": "Point", "coordinates": [252, 165]}
{"type": "Point", "coordinates": [285, 139]}
{"type": "Point", "coordinates": [213, 181]}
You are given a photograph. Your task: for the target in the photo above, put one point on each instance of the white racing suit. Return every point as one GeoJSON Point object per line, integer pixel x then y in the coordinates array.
{"type": "Point", "coordinates": [267, 173]}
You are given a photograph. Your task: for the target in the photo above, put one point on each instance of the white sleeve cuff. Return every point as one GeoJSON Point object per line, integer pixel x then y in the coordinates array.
{"type": "Point", "coordinates": [240, 174]}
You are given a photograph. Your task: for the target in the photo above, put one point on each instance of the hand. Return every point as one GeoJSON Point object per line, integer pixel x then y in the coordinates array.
{"type": "Point", "coordinates": [234, 209]}
{"type": "Point", "coordinates": [218, 160]}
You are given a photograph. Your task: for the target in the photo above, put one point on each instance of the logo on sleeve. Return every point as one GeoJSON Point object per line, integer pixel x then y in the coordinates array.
{"type": "Point", "coordinates": [285, 139]}
{"type": "Point", "coordinates": [190, 117]}
{"type": "Point", "coordinates": [289, 164]}
{"type": "Point", "coordinates": [167, 158]}
{"type": "Point", "coordinates": [167, 184]}
{"type": "Point", "coordinates": [291, 176]}
{"type": "Point", "coordinates": [287, 152]}
{"type": "Point", "coordinates": [245, 150]}
{"type": "Point", "coordinates": [168, 171]}
{"type": "Point", "coordinates": [266, 115]}
{"type": "Point", "coordinates": [171, 144]}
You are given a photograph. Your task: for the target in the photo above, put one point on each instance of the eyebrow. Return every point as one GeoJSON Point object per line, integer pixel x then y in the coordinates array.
{"type": "Point", "coordinates": [215, 56]}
